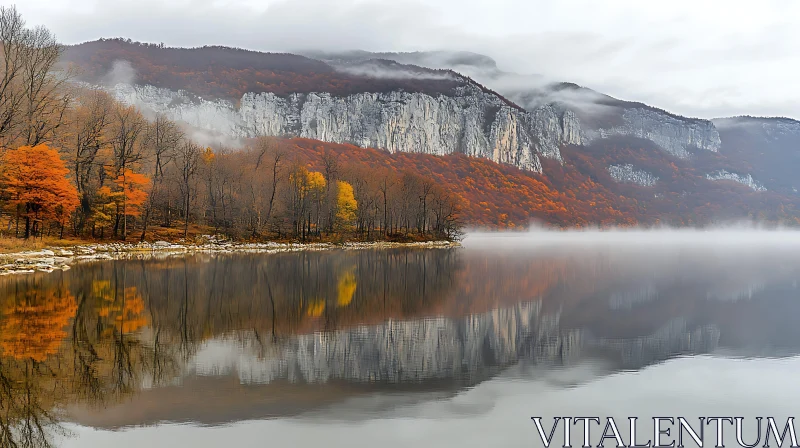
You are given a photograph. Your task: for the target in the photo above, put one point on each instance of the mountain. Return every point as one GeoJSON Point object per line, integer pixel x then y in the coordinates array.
{"type": "Point", "coordinates": [762, 153]}
{"type": "Point", "coordinates": [379, 104]}
{"type": "Point", "coordinates": [585, 157]}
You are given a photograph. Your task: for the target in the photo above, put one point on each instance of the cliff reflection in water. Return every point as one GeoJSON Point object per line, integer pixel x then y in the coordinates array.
{"type": "Point", "coordinates": [213, 339]}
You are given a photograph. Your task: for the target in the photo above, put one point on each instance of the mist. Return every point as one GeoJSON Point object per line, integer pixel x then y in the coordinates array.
{"type": "Point", "coordinates": [732, 237]}
{"type": "Point", "coordinates": [528, 90]}
{"type": "Point", "coordinates": [705, 59]}
{"type": "Point", "coordinates": [122, 72]}
{"type": "Point", "coordinates": [389, 70]}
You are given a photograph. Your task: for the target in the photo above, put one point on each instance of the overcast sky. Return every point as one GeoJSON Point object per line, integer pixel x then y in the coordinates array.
{"type": "Point", "coordinates": [705, 58]}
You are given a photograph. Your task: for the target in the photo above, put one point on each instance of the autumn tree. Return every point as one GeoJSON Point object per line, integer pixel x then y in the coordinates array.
{"type": "Point", "coordinates": [36, 184]}
{"type": "Point", "coordinates": [306, 193]}
{"type": "Point", "coordinates": [129, 124]}
{"type": "Point", "coordinates": [346, 205]}
{"type": "Point", "coordinates": [127, 193]}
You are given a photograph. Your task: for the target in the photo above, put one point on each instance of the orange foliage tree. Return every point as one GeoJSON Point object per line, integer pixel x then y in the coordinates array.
{"type": "Point", "coordinates": [36, 184]}
{"type": "Point", "coordinates": [128, 193]}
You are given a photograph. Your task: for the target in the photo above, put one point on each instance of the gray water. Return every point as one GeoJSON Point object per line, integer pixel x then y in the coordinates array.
{"type": "Point", "coordinates": [406, 347]}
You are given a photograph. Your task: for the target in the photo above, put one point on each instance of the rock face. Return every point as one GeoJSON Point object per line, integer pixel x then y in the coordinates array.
{"type": "Point", "coordinates": [675, 135]}
{"type": "Point", "coordinates": [627, 173]}
{"type": "Point", "coordinates": [742, 179]}
{"type": "Point", "coordinates": [473, 121]}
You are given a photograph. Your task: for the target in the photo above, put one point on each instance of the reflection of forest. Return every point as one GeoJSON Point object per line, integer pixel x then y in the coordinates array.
{"type": "Point", "coordinates": [81, 340]}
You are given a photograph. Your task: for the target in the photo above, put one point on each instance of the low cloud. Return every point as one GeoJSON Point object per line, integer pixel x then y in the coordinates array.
{"type": "Point", "coordinates": [387, 70]}
{"type": "Point", "coordinates": [705, 59]}
{"type": "Point", "coordinates": [122, 72]}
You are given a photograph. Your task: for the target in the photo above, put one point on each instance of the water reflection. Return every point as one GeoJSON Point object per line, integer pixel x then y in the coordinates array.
{"type": "Point", "coordinates": [215, 339]}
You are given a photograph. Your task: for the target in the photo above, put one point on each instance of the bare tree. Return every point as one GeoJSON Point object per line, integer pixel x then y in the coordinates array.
{"type": "Point", "coordinates": [272, 154]}
{"type": "Point", "coordinates": [162, 137]}
{"type": "Point", "coordinates": [33, 95]}
{"type": "Point", "coordinates": [186, 159]}
{"type": "Point", "coordinates": [13, 36]}
{"type": "Point", "coordinates": [330, 169]}
{"type": "Point", "coordinates": [46, 97]}
{"type": "Point", "coordinates": [86, 136]}
{"type": "Point", "coordinates": [385, 187]}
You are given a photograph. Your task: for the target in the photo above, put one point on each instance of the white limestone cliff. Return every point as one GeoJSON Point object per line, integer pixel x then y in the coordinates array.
{"type": "Point", "coordinates": [675, 135]}
{"type": "Point", "coordinates": [472, 121]}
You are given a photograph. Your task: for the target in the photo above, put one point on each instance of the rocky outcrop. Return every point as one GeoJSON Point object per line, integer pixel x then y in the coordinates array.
{"type": "Point", "coordinates": [675, 135]}
{"type": "Point", "coordinates": [473, 121]}
{"type": "Point", "coordinates": [742, 179]}
{"type": "Point", "coordinates": [628, 174]}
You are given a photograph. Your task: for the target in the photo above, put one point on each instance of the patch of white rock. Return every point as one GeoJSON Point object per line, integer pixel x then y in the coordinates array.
{"type": "Point", "coordinates": [742, 179]}
{"type": "Point", "coordinates": [628, 174]}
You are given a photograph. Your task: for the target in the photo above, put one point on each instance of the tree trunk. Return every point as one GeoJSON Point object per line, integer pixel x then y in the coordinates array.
{"type": "Point", "coordinates": [146, 220]}
{"type": "Point", "coordinates": [186, 215]}
{"type": "Point", "coordinates": [124, 206]}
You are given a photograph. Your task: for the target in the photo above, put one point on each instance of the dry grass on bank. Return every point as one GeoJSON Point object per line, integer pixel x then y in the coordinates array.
{"type": "Point", "coordinates": [11, 244]}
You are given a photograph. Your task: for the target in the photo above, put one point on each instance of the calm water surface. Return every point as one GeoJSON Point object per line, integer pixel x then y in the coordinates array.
{"type": "Point", "coordinates": [407, 347]}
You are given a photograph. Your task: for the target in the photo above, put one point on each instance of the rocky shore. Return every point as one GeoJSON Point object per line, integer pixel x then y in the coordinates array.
{"type": "Point", "coordinates": [49, 260]}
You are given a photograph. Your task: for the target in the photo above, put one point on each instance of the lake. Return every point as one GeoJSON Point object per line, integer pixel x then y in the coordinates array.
{"type": "Point", "coordinates": [404, 347]}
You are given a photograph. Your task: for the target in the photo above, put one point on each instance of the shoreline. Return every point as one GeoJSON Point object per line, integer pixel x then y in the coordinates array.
{"type": "Point", "coordinates": [63, 258]}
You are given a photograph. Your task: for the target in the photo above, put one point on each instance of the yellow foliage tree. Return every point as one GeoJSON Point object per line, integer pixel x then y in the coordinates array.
{"type": "Point", "coordinates": [346, 205]}
{"type": "Point", "coordinates": [208, 156]}
{"type": "Point", "coordinates": [307, 183]}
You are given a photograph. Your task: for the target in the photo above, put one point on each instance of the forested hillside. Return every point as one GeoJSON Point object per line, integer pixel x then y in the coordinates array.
{"type": "Point", "coordinates": [580, 192]}
{"type": "Point", "coordinates": [229, 73]}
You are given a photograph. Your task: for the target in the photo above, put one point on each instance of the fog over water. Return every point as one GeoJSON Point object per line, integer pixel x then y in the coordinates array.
{"type": "Point", "coordinates": [687, 238]}
{"type": "Point", "coordinates": [410, 347]}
